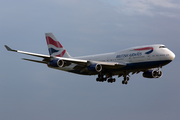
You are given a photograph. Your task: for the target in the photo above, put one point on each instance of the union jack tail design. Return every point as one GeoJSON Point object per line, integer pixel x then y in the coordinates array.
{"type": "Point", "coordinates": [54, 46]}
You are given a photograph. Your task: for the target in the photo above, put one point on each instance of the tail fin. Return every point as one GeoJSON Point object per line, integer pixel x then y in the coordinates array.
{"type": "Point", "coordinates": [54, 46]}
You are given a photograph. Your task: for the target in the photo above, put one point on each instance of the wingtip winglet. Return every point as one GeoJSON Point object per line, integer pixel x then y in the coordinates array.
{"type": "Point", "coordinates": [9, 49]}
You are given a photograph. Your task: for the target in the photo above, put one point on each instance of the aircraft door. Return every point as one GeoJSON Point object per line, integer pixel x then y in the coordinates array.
{"type": "Point", "coordinates": [130, 58]}
{"type": "Point", "coordinates": [148, 57]}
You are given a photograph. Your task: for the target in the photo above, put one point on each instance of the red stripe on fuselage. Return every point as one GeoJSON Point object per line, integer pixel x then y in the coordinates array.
{"type": "Point", "coordinates": [49, 40]}
{"type": "Point", "coordinates": [146, 48]}
{"type": "Point", "coordinates": [62, 54]}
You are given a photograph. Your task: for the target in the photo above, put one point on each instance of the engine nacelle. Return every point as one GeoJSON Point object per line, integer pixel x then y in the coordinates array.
{"type": "Point", "coordinates": [95, 67]}
{"type": "Point", "coordinates": [56, 63]}
{"type": "Point", "coordinates": [152, 74]}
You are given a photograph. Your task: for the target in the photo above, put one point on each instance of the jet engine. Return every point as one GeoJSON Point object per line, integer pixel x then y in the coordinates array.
{"type": "Point", "coordinates": [95, 67]}
{"type": "Point", "coordinates": [56, 63]}
{"type": "Point", "coordinates": [152, 74]}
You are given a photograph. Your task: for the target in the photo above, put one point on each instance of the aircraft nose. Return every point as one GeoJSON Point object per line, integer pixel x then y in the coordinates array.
{"type": "Point", "coordinates": [172, 55]}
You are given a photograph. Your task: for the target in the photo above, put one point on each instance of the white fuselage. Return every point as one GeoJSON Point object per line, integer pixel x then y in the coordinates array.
{"type": "Point", "coordinates": [136, 58]}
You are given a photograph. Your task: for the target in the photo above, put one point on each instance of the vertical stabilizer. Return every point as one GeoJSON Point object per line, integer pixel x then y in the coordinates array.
{"type": "Point", "coordinates": [54, 46]}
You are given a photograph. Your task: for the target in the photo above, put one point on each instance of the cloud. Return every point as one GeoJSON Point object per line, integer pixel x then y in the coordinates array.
{"type": "Point", "coordinates": [165, 3]}
{"type": "Point", "coordinates": [146, 7]}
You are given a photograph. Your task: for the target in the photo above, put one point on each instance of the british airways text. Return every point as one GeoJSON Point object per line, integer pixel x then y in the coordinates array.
{"type": "Point", "coordinates": [129, 55]}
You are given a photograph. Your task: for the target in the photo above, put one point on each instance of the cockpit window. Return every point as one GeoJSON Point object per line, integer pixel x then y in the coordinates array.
{"type": "Point", "coordinates": [162, 47]}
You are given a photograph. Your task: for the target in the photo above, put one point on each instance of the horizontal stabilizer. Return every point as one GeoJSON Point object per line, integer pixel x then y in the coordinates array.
{"type": "Point", "coordinates": [35, 61]}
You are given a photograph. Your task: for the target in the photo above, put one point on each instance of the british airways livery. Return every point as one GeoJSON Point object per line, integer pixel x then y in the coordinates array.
{"type": "Point", "coordinates": [147, 59]}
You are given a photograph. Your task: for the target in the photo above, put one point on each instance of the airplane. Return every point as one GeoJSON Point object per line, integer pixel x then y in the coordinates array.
{"type": "Point", "coordinates": [148, 59]}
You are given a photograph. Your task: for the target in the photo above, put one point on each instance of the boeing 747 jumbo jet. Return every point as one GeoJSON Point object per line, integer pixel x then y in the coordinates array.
{"type": "Point", "coordinates": [148, 59]}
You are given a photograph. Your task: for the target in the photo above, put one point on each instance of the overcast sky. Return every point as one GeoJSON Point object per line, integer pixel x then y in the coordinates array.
{"type": "Point", "coordinates": [32, 91]}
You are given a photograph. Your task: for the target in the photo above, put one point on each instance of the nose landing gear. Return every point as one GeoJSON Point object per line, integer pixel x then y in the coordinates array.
{"type": "Point", "coordinates": [125, 81]}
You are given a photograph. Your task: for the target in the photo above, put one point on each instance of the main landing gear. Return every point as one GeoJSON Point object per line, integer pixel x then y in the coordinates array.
{"type": "Point", "coordinates": [101, 78]}
{"type": "Point", "coordinates": [111, 80]}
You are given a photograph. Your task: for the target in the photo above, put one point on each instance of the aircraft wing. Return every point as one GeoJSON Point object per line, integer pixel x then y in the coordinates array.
{"type": "Point", "coordinates": [87, 62]}
{"type": "Point", "coordinates": [27, 53]}
{"type": "Point", "coordinates": [80, 62]}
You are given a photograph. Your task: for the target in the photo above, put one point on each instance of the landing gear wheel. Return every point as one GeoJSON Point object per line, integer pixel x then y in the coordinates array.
{"type": "Point", "coordinates": [111, 80]}
{"type": "Point", "coordinates": [124, 82]}
{"type": "Point", "coordinates": [100, 78]}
